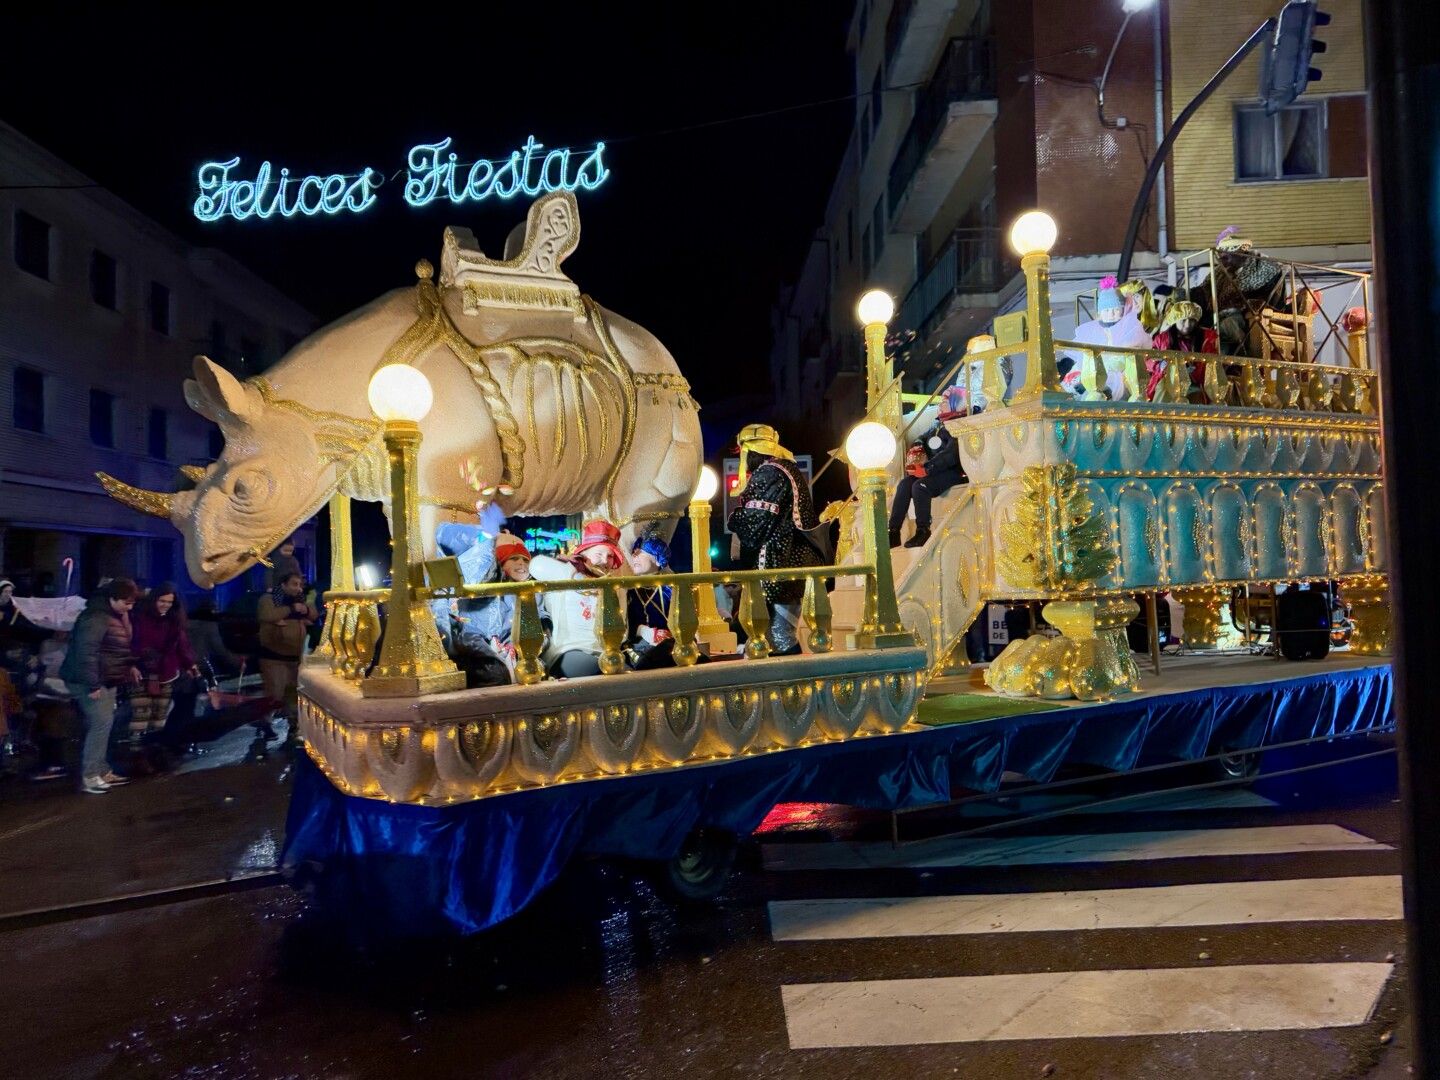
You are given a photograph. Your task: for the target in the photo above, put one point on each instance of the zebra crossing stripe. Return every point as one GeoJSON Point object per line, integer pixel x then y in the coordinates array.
{"type": "Point", "coordinates": [1085, 848]}
{"type": "Point", "coordinates": [1082, 1004]}
{"type": "Point", "coordinates": [1214, 903]}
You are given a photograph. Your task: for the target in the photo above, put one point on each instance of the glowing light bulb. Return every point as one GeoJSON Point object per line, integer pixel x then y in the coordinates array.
{"type": "Point", "coordinates": [870, 445]}
{"type": "Point", "coordinates": [1033, 233]}
{"type": "Point", "coordinates": [708, 486]}
{"type": "Point", "coordinates": [876, 306]}
{"type": "Point", "coordinates": [400, 392]}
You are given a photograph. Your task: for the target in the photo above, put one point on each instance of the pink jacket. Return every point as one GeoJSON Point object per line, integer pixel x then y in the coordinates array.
{"type": "Point", "coordinates": [161, 646]}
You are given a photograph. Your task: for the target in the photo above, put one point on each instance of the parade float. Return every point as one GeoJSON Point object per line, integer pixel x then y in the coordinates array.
{"type": "Point", "coordinates": [428, 807]}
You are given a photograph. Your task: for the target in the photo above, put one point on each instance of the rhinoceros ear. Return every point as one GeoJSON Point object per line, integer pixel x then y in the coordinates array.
{"type": "Point", "coordinates": [217, 392]}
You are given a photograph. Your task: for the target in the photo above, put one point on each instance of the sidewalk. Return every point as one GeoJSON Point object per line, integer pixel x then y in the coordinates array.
{"type": "Point", "coordinates": [214, 817]}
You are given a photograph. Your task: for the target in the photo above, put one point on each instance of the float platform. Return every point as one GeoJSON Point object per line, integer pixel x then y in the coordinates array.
{"type": "Point", "coordinates": [436, 869]}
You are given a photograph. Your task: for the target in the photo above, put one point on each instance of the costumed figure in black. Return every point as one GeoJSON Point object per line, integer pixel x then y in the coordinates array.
{"type": "Point", "coordinates": [773, 524]}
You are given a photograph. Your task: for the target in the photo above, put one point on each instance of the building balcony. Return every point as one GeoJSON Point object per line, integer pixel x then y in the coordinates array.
{"type": "Point", "coordinates": [910, 37]}
{"type": "Point", "coordinates": [953, 114]}
{"type": "Point", "coordinates": [970, 267]}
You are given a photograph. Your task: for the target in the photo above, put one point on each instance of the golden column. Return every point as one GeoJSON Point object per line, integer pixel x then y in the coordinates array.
{"type": "Point", "coordinates": [1032, 236]}
{"type": "Point", "coordinates": [412, 660]}
{"type": "Point", "coordinates": [713, 633]}
{"type": "Point", "coordinates": [870, 447]}
{"type": "Point", "coordinates": [342, 574]}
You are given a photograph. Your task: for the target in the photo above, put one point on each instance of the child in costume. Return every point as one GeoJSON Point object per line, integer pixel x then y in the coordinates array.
{"type": "Point", "coordinates": [574, 648]}
{"type": "Point", "coordinates": [648, 642]}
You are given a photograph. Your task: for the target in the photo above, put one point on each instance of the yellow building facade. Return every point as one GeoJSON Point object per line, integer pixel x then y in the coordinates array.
{"type": "Point", "coordinates": [1317, 194]}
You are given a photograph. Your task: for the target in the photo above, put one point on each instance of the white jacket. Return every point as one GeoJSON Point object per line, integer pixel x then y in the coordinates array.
{"type": "Point", "coordinates": [572, 614]}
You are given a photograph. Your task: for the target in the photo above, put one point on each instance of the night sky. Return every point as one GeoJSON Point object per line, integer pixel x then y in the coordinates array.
{"type": "Point", "coordinates": [691, 235]}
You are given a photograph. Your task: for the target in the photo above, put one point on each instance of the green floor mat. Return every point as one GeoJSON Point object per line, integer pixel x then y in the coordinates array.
{"type": "Point", "coordinates": [963, 708]}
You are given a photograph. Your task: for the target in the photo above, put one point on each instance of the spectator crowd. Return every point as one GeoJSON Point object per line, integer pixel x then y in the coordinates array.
{"type": "Point", "coordinates": [134, 685]}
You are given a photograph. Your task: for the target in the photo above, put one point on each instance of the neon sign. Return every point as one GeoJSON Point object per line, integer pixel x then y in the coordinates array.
{"type": "Point", "coordinates": [432, 173]}
{"type": "Point", "coordinates": [224, 196]}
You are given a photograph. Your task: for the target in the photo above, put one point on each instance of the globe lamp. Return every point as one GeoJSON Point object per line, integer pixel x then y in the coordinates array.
{"type": "Point", "coordinates": [876, 307]}
{"type": "Point", "coordinates": [1033, 233]}
{"type": "Point", "coordinates": [870, 445]}
{"type": "Point", "coordinates": [708, 486]}
{"type": "Point", "coordinates": [400, 392]}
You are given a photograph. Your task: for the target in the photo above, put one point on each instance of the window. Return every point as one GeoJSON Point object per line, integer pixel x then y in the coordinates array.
{"type": "Point", "coordinates": [159, 308]}
{"type": "Point", "coordinates": [157, 432]}
{"type": "Point", "coordinates": [877, 100]}
{"type": "Point", "coordinates": [102, 279]}
{"type": "Point", "coordinates": [1291, 145]}
{"type": "Point", "coordinates": [102, 418]}
{"type": "Point", "coordinates": [28, 409]}
{"type": "Point", "coordinates": [32, 244]}
{"type": "Point", "coordinates": [217, 442]}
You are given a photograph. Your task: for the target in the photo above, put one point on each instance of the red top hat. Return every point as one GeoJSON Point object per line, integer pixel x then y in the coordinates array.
{"type": "Point", "coordinates": [600, 533]}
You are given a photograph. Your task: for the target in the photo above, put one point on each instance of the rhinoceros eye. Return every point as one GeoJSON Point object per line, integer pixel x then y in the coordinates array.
{"type": "Point", "coordinates": [251, 488]}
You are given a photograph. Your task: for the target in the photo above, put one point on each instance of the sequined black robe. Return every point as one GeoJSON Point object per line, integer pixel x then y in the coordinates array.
{"type": "Point", "coordinates": [773, 514]}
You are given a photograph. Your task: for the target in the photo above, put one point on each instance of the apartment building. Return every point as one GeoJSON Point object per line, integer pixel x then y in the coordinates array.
{"type": "Point", "coordinates": [101, 312]}
{"type": "Point", "coordinates": [969, 112]}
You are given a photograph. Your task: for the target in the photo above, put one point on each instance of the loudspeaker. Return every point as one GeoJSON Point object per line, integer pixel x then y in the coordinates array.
{"type": "Point", "coordinates": [1302, 624]}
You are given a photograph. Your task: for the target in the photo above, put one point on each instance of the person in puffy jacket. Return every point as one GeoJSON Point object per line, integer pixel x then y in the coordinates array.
{"type": "Point", "coordinates": [162, 650]}
{"type": "Point", "coordinates": [99, 661]}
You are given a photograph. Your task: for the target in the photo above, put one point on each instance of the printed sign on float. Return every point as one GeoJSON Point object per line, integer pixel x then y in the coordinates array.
{"type": "Point", "coordinates": [433, 172]}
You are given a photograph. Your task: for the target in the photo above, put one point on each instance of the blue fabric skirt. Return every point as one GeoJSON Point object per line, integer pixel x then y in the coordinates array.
{"type": "Point", "coordinates": [401, 871]}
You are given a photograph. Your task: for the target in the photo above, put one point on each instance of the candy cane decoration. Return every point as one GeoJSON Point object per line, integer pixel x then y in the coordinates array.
{"type": "Point", "coordinates": [69, 565]}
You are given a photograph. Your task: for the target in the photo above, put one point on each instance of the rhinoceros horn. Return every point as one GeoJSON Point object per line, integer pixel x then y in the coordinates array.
{"type": "Point", "coordinates": [147, 502]}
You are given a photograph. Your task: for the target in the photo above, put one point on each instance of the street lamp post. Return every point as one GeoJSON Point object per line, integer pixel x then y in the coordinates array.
{"type": "Point", "coordinates": [870, 447]}
{"type": "Point", "coordinates": [1032, 236]}
{"type": "Point", "coordinates": [412, 659]}
{"type": "Point", "coordinates": [713, 633]}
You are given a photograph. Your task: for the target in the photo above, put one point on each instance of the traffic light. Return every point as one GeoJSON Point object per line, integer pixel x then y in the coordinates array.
{"type": "Point", "coordinates": [1285, 68]}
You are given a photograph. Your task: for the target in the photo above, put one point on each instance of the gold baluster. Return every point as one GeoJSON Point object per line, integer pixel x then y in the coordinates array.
{"type": "Point", "coordinates": [1252, 388]}
{"type": "Point", "coordinates": [1317, 392]}
{"type": "Point", "coordinates": [816, 610]}
{"type": "Point", "coordinates": [1346, 396]}
{"type": "Point", "coordinates": [1217, 386]}
{"type": "Point", "coordinates": [334, 640]}
{"type": "Point", "coordinates": [1172, 382]}
{"type": "Point", "coordinates": [528, 637]}
{"type": "Point", "coordinates": [755, 618]}
{"type": "Point", "coordinates": [992, 384]}
{"type": "Point", "coordinates": [345, 651]}
{"type": "Point", "coordinates": [366, 635]}
{"type": "Point", "coordinates": [1287, 388]}
{"type": "Point", "coordinates": [684, 622]}
{"type": "Point", "coordinates": [1132, 376]}
{"type": "Point", "coordinates": [611, 631]}
{"type": "Point", "coordinates": [1365, 396]}
{"type": "Point", "coordinates": [1092, 375]}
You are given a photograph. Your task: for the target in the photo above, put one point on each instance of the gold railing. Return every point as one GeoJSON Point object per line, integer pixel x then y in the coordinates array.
{"type": "Point", "coordinates": [527, 634]}
{"type": "Point", "coordinates": [1258, 384]}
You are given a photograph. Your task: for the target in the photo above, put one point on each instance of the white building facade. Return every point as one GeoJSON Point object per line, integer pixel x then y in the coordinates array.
{"type": "Point", "coordinates": [102, 311]}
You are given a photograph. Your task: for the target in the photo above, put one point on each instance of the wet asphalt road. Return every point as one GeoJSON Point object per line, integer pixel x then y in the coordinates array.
{"type": "Point", "coordinates": [603, 977]}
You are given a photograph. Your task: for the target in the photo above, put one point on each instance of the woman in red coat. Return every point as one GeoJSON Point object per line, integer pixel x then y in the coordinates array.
{"type": "Point", "coordinates": [162, 649]}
